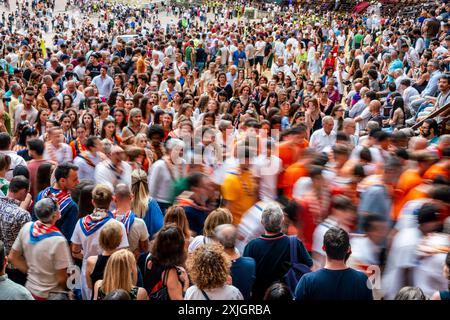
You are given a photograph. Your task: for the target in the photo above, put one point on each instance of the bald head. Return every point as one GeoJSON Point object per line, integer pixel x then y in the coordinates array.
{"type": "Point", "coordinates": [374, 106]}
{"type": "Point", "coordinates": [418, 143]}
{"type": "Point", "coordinates": [226, 234]}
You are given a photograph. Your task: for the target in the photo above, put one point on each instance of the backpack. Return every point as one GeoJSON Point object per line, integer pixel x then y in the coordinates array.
{"type": "Point", "coordinates": [296, 270]}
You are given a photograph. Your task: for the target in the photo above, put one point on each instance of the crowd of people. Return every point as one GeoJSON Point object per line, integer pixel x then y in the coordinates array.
{"type": "Point", "coordinates": [194, 153]}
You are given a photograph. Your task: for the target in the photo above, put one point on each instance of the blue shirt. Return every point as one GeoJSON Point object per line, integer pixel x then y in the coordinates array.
{"type": "Point", "coordinates": [432, 86]}
{"type": "Point", "coordinates": [237, 55]}
{"type": "Point", "coordinates": [154, 219]}
{"type": "Point", "coordinates": [243, 273]}
{"type": "Point", "coordinates": [196, 218]}
{"type": "Point", "coordinates": [326, 284]}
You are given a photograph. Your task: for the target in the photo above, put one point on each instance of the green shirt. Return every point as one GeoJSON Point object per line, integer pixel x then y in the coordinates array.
{"type": "Point", "coordinates": [358, 38]}
{"type": "Point", "coordinates": [188, 54]}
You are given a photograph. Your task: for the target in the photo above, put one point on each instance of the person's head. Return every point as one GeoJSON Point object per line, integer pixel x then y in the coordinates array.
{"type": "Point", "coordinates": [168, 246]}
{"type": "Point", "coordinates": [19, 187]}
{"type": "Point", "coordinates": [117, 154]}
{"type": "Point", "coordinates": [278, 291]}
{"type": "Point", "coordinates": [21, 170]}
{"type": "Point", "coordinates": [47, 211]}
{"type": "Point", "coordinates": [392, 170]}
{"type": "Point", "coordinates": [110, 237]}
{"type": "Point", "coordinates": [209, 266]}
{"type": "Point", "coordinates": [410, 293]}
{"type": "Point", "coordinates": [135, 117]}
{"type": "Point", "coordinates": [336, 244]}
{"type": "Point", "coordinates": [120, 272]}
{"type": "Point", "coordinates": [428, 218]}
{"type": "Point", "coordinates": [118, 294]}
{"type": "Point", "coordinates": [66, 175]}
{"type": "Point", "coordinates": [5, 141]}
{"type": "Point", "coordinates": [343, 209]}
{"type": "Point", "coordinates": [272, 218]}
{"type": "Point", "coordinates": [444, 83]}
{"type": "Point", "coordinates": [429, 128]}
{"type": "Point", "coordinates": [155, 134]}
{"type": "Point", "coordinates": [94, 144]}
{"type": "Point", "coordinates": [376, 228]}
{"type": "Point", "coordinates": [226, 234]}
{"type": "Point", "coordinates": [5, 163]}
{"type": "Point", "coordinates": [102, 196]}
{"type": "Point", "coordinates": [216, 218]}
{"type": "Point", "coordinates": [176, 215]}
{"type": "Point", "coordinates": [328, 124]}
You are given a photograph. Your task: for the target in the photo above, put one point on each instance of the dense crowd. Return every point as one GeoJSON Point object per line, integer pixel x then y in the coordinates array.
{"type": "Point", "coordinates": [193, 152]}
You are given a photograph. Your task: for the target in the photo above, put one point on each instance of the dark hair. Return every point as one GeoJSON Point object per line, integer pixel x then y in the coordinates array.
{"type": "Point", "coordinates": [63, 170]}
{"type": "Point", "coordinates": [43, 176]}
{"type": "Point", "coordinates": [85, 206]}
{"type": "Point", "coordinates": [90, 141]}
{"type": "Point", "coordinates": [168, 246]}
{"type": "Point", "coordinates": [155, 129]}
{"type": "Point", "coordinates": [343, 203]}
{"type": "Point", "coordinates": [5, 162]}
{"type": "Point", "coordinates": [427, 213]}
{"type": "Point", "coordinates": [21, 170]}
{"type": "Point", "coordinates": [5, 140]}
{"type": "Point", "coordinates": [336, 242]}
{"type": "Point", "coordinates": [26, 132]}
{"type": "Point", "coordinates": [278, 291]}
{"type": "Point", "coordinates": [19, 183]}
{"type": "Point", "coordinates": [194, 179]}
{"type": "Point", "coordinates": [369, 220]}
{"type": "Point", "coordinates": [2, 254]}
{"type": "Point", "coordinates": [433, 125]}
{"type": "Point", "coordinates": [37, 145]}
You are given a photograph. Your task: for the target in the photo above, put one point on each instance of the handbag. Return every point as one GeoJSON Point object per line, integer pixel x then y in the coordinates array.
{"type": "Point", "coordinates": [297, 270]}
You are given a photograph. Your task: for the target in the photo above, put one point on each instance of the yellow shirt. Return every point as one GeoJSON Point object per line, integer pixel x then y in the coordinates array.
{"type": "Point", "coordinates": [239, 198]}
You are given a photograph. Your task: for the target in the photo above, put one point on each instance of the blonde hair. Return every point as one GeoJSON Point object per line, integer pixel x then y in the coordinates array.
{"type": "Point", "coordinates": [177, 215]}
{"type": "Point", "coordinates": [120, 272]}
{"type": "Point", "coordinates": [110, 236]}
{"type": "Point", "coordinates": [139, 188]}
{"type": "Point", "coordinates": [209, 266]}
{"type": "Point", "coordinates": [216, 218]}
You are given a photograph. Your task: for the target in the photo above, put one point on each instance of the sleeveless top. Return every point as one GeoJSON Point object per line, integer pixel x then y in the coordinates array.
{"type": "Point", "coordinates": [99, 268]}
{"type": "Point", "coordinates": [133, 293]}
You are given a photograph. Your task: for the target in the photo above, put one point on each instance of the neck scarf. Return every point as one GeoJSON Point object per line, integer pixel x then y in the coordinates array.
{"type": "Point", "coordinates": [62, 197]}
{"type": "Point", "coordinates": [127, 219]}
{"type": "Point", "coordinates": [40, 231]}
{"type": "Point", "coordinates": [91, 223]}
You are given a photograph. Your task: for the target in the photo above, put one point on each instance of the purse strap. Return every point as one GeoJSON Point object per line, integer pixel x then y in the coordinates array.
{"type": "Point", "coordinates": [293, 249]}
{"type": "Point", "coordinates": [205, 295]}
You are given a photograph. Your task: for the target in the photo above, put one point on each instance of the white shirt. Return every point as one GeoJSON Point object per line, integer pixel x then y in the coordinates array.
{"type": "Point", "coordinates": [160, 180]}
{"type": "Point", "coordinates": [16, 160]}
{"type": "Point", "coordinates": [318, 235]}
{"type": "Point", "coordinates": [227, 292]}
{"type": "Point", "coordinates": [402, 255]}
{"type": "Point", "coordinates": [267, 169]}
{"type": "Point", "coordinates": [91, 247]}
{"type": "Point", "coordinates": [62, 154]}
{"type": "Point", "coordinates": [365, 251]}
{"type": "Point", "coordinates": [408, 93]}
{"type": "Point", "coordinates": [319, 140]}
{"type": "Point", "coordinates": [250, 226]}
{"type": "Point", "coordinates": [85, 170]}
{"type": "Point", "coordinates": [260, 45]}
{"type": "Point", "coordinates": [105, 174]}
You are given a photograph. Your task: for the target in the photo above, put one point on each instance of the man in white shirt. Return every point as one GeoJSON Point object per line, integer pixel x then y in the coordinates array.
{"type": "Point", "coordinates": [341, 76]}
{"type": "Point", "coordinates": [407, 91]}
{"type": "Point", "coordinates": [25, 110]}
{"type": "Point", "coordinates": [324, 137]}
{"type": "Point", "coordinates": [403, 257]}
{"type": "Point", "coordinates": [266, 168]}
{"type": "Point", "coordinates": [42, 252]}
{"type": "Point", "coordinates": [280, 66]}
{"type": "Point", "coordinates": [71, 89]}
{"type": "Point", "coordinates": [104, 83]}
{"type": "Point", "coordinates": [86, 161]}
{"type": "Point", "coordinates": [343, 213]}
{"type": "Point", "coordinates": [55, 149]}
{"type": "Point", "coordinates": [113, 171]}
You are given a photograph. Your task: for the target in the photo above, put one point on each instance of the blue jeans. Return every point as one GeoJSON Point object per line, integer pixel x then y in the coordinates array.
{"type": "Point", "coordinates": [201, 66]}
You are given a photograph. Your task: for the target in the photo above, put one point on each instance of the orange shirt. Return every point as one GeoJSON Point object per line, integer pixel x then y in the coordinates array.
{"type": "Point", "coordinates": [436, 170]}
{"type": "Point", "coordinates": [407, 181]}
{"type": "Point", "coordinates": [290, 177]}
{"type": "Point", "coordinates": [289, 153]}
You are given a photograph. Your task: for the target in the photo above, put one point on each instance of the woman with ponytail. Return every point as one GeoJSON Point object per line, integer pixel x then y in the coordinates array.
{"type": "Point", "coordinates": [143, 205]}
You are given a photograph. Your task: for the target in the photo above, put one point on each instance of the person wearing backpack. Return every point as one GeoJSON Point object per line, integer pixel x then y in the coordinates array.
{"type": "Point", "coordinates": [163, 270]}
{"type": "Point", "coordinates": [272, 252]}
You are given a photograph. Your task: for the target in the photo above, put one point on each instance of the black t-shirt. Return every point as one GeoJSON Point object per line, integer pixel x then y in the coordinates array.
{"type": "Point", "coordinates": [267, 49]}
{"type": "Point", "coordinates": [326, 284]}
{"type": "Point", "coordinates": [94, 70]}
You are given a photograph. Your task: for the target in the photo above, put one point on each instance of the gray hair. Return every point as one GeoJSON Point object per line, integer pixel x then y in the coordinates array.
{"type": "Point", "coordinates": [173, 143]}
{"type": "Point", "coordinates": [45, 209]}
{"type": "Point", "coordinates": [328, 119]}
{"type": "Point", "coordinates": [107, 146]}
{"type": "Point", "coordinates": [133, 113]}
{"type": "Point", "coordinates": [223, 124]}
{"type": "Point", "coordinates": [410, 293]}
{"type": "Point", "coordinates": [272, 217]}
{"type": "Point", "coordinates": [372, 125]}
{"type": "Point", "coordinates": [226, 234]}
